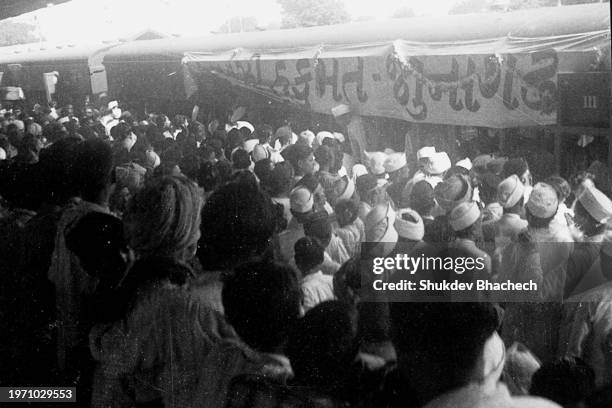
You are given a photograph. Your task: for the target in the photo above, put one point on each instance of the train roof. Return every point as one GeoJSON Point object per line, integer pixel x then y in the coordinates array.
{"type": "Point", "coordinates": [530, 23]}
{"type": "Point", "coordinates": [44, 52]}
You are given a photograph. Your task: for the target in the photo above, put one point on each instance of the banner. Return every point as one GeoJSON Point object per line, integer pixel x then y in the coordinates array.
{"type": "Point", "coordinates": [498, 83]}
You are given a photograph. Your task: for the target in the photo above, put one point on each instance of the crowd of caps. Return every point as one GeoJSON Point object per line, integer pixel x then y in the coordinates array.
{"type": "Point", "coordinates": [183, 264]}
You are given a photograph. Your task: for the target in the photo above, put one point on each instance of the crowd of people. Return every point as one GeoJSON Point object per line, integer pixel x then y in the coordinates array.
{"type": "Point", "coordinates": [173, 263]}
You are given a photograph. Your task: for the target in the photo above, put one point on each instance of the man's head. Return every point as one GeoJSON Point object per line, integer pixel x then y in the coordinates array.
{"type": "Point", "coordinates": [323, 346]}
{"type": "Point", "coordinates": [241, 160]}
{"type": "Point", "coordinates": [510, 194]}
{"type": "Point", "coordinates": [264, 134]}
{"type": "Point", "coordinates": [592, 211]}
{"type": "Point", "coordinates": [519, 167]}
{"type": "Point", "coordinates": [442, 346]}
{"type": "Point", "coordinates": [262, 301]}
{"type": "Point", "coordinates": [318, 226]}
{"type": "Point", "coordinates": [92, 170]}
{"type": "Point", "coordinates": [566, 381]}
{"type": "Point", "coordinates": [438, 164]}
{"type": "Point", "coordinates": [422, 198]}
{"type": "Point", "coordinates": [122, 133]}
{"type": "Point", "coordinates": [303, 160]}
{"type": "Point", "coordinates": [237, 225]}
{"type": "Point", "coordinates": [281, 179]}
{"type": "Point", "coordinates": [97, 240]}
{"type": "Point", "coordinates": [541, 206]}
{"type": "Point", "coordinates": [452, 192]}
{"type": "Point", "coordinates": [163, 218]}
{"type": "Point", "coordinates": [324, 155]}
{"type": "Point", "coordinates": [308, 254]}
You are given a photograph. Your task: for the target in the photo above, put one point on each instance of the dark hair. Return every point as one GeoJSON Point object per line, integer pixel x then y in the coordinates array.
{"type": "Point", "coordinates": [281, 179]}
{"type": "Point", "coordinates": [488, 187]}
{"type": "Point", "coordinates": [264, 133]}
{"type": "Point", "coordinates": [207, 150]}
{"type": "Point", "coordinates": [346, 212]}
{"type": "Point", "coordinates": [421, 333]}
{"type": "Point", "coordinates": [561, 186]}
{"type": "Point", "coordinates": [97, 240]}
{"type": "Point", "coordinates": [237, 224]}
{"type": "Point", "coordinates": [55, 167]}
{"type": "Point", "coordinates": [262, 301]}
{"type": "Point", "coordinates": [208, 176]}
{"type": "Point", "coordinates": [347, 281]}
{"type": "Point", "coordinates": [324, 155]}
{"type": "Point", "coordinates": [456, 170]}
{"type": "Point", "coordinates": [120, 131]}
{"type": "Point", "coordinates": [224, 168]}
{"type": "Point", "coordinates": [566, 381]}
{"type": "Point", "coordinates": [92, 168]}
{"type": "Point", "coordinates": [190, 165]}
{"type": "Point", "coordinates": [310, 181]}
{"type": "Point", "coordinates": [578, 178]}
{"type": "Point", "coordinates": [308, 253]}
{"type": "Point", "coordinates": [319, 227]}
{"type": "Point", "coordinates": [234, 139]}
{"type": "Point", "coordinates": [241, 159]}
{"type": "Point", "coordinates": [246, 133]}
{"type": "Point", "coordinates": [323, 346]}
{"type": "Point", "coordinates": [245, 178]}
{"type": "Point", "coordinates": [263, 171]}
{"type": "Point", "coordinates": [516, 166]}
{"type": "Point", "coordinates": [295, 153]}
{"type": "Point", "coordinates": [422, 198]}
{"type": "Point", "coordinates": [365, 184]}
{"type": "Point", "coordinates": [14, 134]}
{"type": "Point", "coordinates": [54, 132]}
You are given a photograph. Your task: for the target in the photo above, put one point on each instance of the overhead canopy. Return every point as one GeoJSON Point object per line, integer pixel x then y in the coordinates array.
{"type": "Point", "coordinates": [13, 8]}
{"type": "Point", "coordinates": [533, 23]}
{"type": "Point", "coordinates": [494, 70]}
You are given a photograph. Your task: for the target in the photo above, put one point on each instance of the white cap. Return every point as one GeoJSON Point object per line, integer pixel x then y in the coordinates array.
{"type": "Point", "coordinates": [543, 201]}
{"type": "Point", "coordinates": [597, 204]}
{"type": "Point", "coordinates": [248, 145]}
{"type": "Point", "coordinates": [152, 158]}
{"type": "Point", "coordinates": [321, 136]}
{"type": "Point", "coordinates": [376, 162]}
{"type": "Point", "coordinates": [339, 137]}
{"type": "Point", "coordinates": [394, 162]}
{"type": "Point", "coordinates": [113, 105]}
{"type": "Point", "coordinates": [359, 170]}
{"type": "Point", "coordinates": [438, 163]}
{"type": "Point", "coordinates": [301, 200]}
{"type": "Point", "coordinates": [510, 191]}
{"type": "Point", "coordinates": [307, 136]}
{"type": "Point", "coordinates": [348, 191]}
{"type": "Point", "coordinates": [19, 123]}
{"type": "Point", "coordinates": [63, 120]}
{"type": "Point", "coordinates": [259, 153]}
{"type": "Point", "coordinates": [412, 230]}
{"type": "Point", "coordinates": [464, 215]}
{"type": "Point", "coordinates": [340, 110]}
{"type": "Point", "coordinates": [465, 163]}
{"type": "Point", "coordinates": [425, 152]}
{"type": "Point", "coordinates": [373, 224]}
{"type": "Point", "coordinates": [243, 123]}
